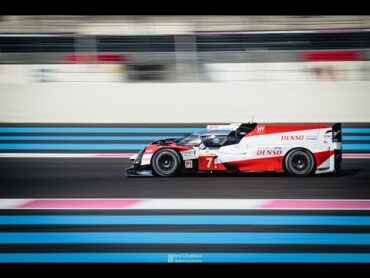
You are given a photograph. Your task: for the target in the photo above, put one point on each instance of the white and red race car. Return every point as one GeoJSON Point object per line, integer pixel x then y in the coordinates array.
{"type": "Point", "coordinates": [299, 149]}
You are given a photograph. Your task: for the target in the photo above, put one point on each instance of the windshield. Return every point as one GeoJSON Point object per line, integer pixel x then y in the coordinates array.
{"type": "Point", "coordinates": [190, 140]}
{"type": "Point", "coordinates": [215, 141]}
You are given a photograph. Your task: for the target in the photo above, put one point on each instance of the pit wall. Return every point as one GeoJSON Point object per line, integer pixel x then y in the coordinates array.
{"type": "Point", "coordinates": [118, 102]}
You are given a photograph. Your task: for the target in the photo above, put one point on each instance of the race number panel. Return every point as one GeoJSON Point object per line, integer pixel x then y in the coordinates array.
{"type": "Point", "coordinates": [209, 163]}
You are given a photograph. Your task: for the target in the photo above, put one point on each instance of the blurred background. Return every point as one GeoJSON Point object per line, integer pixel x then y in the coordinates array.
{"type": "Point", "coordinates": [184, 48]}
{"type": "Point", "coordinates": [181, 49]}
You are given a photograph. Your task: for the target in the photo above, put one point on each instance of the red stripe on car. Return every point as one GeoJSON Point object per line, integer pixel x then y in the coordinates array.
{"type": "Point", "coordinates": [272, 129]}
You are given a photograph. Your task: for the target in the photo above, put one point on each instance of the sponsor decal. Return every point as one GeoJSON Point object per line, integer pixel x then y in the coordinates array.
{"type": "Point", "coordinates": [188, 164]}
{"type": "Point", "coordinates": [146, 159]}
{"type": "Point", "coordinates": [219, 127]}
{"type": "Point", "coordinates": [261, 129]}
{"type": "Point", "coordinates": [188, 154]}
{"type": "Point", "coordinates": [149, 151]}
{"type": "Point", "coordinates": [311, 137]}
{"type": "Point", "coordinates": [145, 172]}
{"type": "Point", "coordinates": [292, 137]}
{"type": "Point", "coordinates": [269, 152]}
{"type": "Point", "coordinates": [212, 127]}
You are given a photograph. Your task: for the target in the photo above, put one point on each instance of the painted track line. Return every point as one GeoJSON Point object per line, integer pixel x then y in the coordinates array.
{"type": "Point", "coordinates": [183, 238]}
{"type": "Point", "coordinates": [69, 146]}
{"type": "Point", "coordinates": [87, 138]}
{"type": "Point", "coordinates": [185, 220]}
{"type": "Point", "coordinates": [185, 204]}
{"type": "Point", "coordinates": [184, 258]}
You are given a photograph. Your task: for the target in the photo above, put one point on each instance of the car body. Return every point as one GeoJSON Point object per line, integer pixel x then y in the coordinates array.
{"type": "Point", "coordinates": [299, 149]}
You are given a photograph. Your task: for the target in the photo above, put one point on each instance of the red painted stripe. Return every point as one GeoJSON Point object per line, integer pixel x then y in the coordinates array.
{"type": "Point", "coordinates": [332, 56]}
{"type": "Point", "coordinates": [110, 58]}
{"type": "Point", "coordinates": [87, 58]}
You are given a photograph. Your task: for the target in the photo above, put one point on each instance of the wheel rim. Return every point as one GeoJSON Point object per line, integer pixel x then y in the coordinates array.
{"type": "Point", "coordinates": [299, 162]}
{"type": "Point", "coordinates": [166, 163]}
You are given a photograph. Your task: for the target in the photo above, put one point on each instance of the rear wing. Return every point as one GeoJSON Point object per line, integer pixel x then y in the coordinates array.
{"type": "Point", "coordinates": [337, 140]}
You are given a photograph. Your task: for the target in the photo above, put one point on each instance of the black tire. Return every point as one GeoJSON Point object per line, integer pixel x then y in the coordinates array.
{"type": "Point", "coordinates": [300, 162]}
{"type": "Point", "coordinates": [166, 163]}
{"type": "Point", "coordinates": [338, 161]}
{"type": "Point", "coordinates": [338, 167]}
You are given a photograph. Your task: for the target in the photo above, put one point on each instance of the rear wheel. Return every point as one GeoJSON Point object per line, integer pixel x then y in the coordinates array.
{"type": "Point", "coordinates": [300, 162]}
{"type": "Point", "coordinates": [166, 163]}
{"type": "Point", "coordinates": [338, 167]}
{"type": "Point", "coordinates": [338, 161]}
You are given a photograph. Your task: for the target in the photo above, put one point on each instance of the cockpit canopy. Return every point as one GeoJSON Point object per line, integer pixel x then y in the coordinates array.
{"type": "Point", "coordinates": [217, 138]}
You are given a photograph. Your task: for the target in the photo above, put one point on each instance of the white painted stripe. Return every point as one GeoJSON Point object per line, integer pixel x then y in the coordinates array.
{"type": "Point", "coordinates": [12, 203]}
{"type": "Point", "coordinates": [200, 204]}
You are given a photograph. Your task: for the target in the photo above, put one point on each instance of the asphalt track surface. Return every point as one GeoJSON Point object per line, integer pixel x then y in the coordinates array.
{"type": "Point", "coordinates": [104, 178]}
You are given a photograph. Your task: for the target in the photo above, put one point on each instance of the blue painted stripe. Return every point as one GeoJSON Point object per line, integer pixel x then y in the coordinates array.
{"type": "Point", "coordinates": [32, 146]}
{"type": "Point", "coordinates": [81, 146]}
{"type": "Point", "coordinates": [88, 138]}
{"type": "Point", "coordinates": [123, 138]}
{"type": "Point", "coordinates": [356, 147]}
{"type": "Point", "coordinates": [355, 130]}
{"type": "Point", "coordinates": [183, 238]}
{"type": "Point", "coordinates": [185, 257]}
{"type": "Point", "coordinates": [184, 220]}
{"type": "Point", "coordinates": [356, 138]}
{"type": "Point", "coordinates": [100, 129]}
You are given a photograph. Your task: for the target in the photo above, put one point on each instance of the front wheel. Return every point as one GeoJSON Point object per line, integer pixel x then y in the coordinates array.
{"type": "Point", "coordinates": [166, 163]}
{"type": "Point", "coordinates": [300, 162]}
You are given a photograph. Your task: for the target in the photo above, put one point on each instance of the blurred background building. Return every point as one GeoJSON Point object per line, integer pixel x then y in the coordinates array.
{"type": "Point", "coordinates": [184, 48]}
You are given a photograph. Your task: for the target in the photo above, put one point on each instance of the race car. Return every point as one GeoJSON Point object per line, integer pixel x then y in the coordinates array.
{"type": "Point", "coordinates": [298, 149]}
